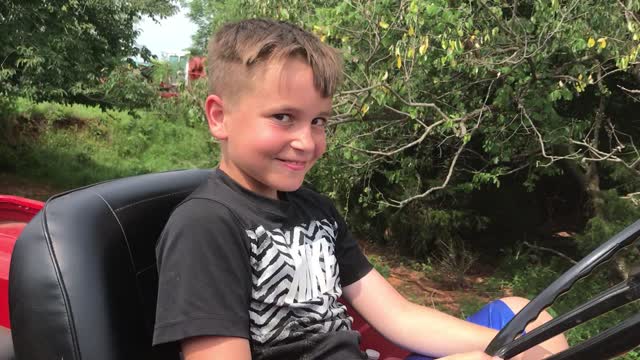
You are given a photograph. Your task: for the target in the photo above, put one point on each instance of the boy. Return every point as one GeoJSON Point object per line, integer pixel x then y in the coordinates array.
{"type": "Point", "coordinates": [251, 264]}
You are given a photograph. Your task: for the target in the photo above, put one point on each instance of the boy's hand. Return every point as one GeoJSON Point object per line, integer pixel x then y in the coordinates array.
{"type": "Point", "coordinates": [475, 355]}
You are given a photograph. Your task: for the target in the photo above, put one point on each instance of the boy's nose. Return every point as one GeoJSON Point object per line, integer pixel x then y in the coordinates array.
{"type": "Point", "coordinates": [303, 140]}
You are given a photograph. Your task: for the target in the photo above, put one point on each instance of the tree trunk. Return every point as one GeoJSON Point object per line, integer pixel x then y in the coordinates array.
{"type": "Point", "coordinates": [592, 179]}
{"type": "Point", "coordinates": [621, 268]}
{"type": "Point", "coordinates": [589, 180]}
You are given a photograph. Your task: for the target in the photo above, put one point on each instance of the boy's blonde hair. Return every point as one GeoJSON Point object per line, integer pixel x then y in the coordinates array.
{"type": "Point", "coordinates": [238, 49]}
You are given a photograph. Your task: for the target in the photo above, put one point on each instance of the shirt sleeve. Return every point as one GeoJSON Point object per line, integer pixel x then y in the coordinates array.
{"type": "Point", "coordinates": [354, 265]}
{"type": "Point", "coordinates": [204, 274]}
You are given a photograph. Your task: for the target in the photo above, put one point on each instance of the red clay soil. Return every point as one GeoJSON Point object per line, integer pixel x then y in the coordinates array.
{"type": "Point", "coordinates": [419, 288]}
{"type": "Point", "coordinates": [14, 185]}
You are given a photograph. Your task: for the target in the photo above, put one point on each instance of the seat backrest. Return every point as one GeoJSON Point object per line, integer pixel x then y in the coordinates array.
{"type": "Point", "coordinates": [83, 279]}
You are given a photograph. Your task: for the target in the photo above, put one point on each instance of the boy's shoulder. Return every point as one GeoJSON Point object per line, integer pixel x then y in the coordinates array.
{"type": "Point", "coordinates": [309, 193]}
{"type": "Point", "coordinates": [317, 205]}
{"type": "Point", "coordinates": [216, 191]}
{"type": "Point", "coordinates": [208, 200]}
{"type": "Point", "coordinates": [202, 213]}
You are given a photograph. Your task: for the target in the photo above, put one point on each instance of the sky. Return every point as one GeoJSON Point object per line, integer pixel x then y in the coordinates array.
{"type": "Point", "coordinates": [172, 34]}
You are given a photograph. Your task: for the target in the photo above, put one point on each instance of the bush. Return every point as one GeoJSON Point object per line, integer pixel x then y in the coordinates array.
{"type": "Point", "coordinates": [187, 108]}
{"type": "Point", "coordinates": [125, 88]}
{"type": "Point", "coordinates": [100, 145]}
{"type": "Point", "coordinates": [8, 123]}
{"type": "Point", "coordinates": [616, 213]}
{"type": "Point", "coordinates": [379, 264]}
{"type": "Point", "coordinates": [453, 261]}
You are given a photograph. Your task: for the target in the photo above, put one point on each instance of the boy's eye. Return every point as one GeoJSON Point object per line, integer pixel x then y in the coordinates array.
{"type": "Point", "coordinates": [319, 122]}
{"type": "Point", "coordinates": [282, 117]}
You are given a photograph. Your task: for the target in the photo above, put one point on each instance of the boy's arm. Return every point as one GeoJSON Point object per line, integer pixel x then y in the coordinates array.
{"type": "Point", "coordinates": [417, 328]}
{"type": "Point", "coordinates": [216, 347]}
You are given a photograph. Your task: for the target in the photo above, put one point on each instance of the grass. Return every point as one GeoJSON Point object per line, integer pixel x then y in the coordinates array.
{"type": "Point", "coordinates": [75, 145]}
{"type": "Point", "coordinates": [379, 264]}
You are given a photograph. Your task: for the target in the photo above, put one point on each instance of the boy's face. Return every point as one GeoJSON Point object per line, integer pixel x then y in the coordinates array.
{"type": "Point", "coordinates": [273, 134]}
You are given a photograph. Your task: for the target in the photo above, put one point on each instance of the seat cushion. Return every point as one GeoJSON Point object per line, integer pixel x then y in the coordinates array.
{"type": "Point", "coordinates": [83, 280]}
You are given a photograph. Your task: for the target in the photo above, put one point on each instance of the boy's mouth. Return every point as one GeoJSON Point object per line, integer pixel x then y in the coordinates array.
{"type": "Point", "coordinates": [293, 165]}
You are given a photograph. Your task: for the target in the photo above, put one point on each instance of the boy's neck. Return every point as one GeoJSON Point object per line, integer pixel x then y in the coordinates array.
{"type": "Point", "coordinates": [246, 181]}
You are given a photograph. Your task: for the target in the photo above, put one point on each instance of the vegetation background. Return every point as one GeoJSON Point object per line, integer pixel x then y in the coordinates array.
{"type": "Point", "coordinates": [480, 136]}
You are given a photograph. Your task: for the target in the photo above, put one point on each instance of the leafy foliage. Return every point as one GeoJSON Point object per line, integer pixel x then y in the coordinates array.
{"type": "Point", "coordinates": [53, 49]}
{"type": "Point", "coordinates": [125, 88]}
{"type": "Point", "coordinates": [187, 107]}
{"type": "Point", "coordinates": [445, 99]}
{"type": "Point", "coordinates": [380, 265]}
{"type": "Point", "coordinates": [617, 215]}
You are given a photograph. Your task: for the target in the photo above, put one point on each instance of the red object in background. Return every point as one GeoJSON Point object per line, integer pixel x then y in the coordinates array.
{"type": "Point", "coordinates": [196, 68]}
{"type": "Point", "coordinates": [167, 95]}
{"type": "Point", "coordinates": [15, 213]}
{"type": "Point", "coordinates": [167, 90]}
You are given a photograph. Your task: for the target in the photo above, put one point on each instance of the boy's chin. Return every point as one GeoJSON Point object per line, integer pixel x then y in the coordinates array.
{"type": "Point", "coordinates": [290, 186]}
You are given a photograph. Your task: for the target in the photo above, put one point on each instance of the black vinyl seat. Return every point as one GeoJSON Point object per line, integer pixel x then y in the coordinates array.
{"type": "Point", "coordinates": [83, 279]}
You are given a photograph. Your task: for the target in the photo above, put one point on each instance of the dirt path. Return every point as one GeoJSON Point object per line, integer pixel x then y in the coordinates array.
{"type": "Point", "coordinates": [14, 185]}
{"type": "Point", "coordinates": [423, 288]}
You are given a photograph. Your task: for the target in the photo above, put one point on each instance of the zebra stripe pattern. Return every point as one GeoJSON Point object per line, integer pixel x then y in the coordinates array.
{"type": "Point", "coordinates": [296, 283]}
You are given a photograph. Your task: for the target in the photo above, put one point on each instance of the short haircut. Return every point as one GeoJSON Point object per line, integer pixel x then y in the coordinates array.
{"type": "Point", "coordinates": [237, 49]}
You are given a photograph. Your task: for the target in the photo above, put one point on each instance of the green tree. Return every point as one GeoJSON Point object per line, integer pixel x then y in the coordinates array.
{"type": "Point", "coordinates": [53, 49]}
{"type": "Point", "coordinates": [446, 97]}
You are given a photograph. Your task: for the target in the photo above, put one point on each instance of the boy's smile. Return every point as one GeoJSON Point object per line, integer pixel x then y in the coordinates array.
{"type": "Point", "coordinates": [273, 134]}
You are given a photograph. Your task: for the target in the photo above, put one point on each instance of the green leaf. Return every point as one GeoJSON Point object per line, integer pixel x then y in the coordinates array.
{"type": "Point", "coordinates": [432, 9]}
{"type": "Point", "coordinates": [579, 44]}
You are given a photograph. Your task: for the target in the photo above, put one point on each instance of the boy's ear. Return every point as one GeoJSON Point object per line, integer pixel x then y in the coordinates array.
{"type": "Point", "coordinates": [214, 109]}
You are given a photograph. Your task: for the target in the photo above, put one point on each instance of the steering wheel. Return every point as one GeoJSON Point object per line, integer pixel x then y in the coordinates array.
{"type": "Point", "coordinates": [609, 343]}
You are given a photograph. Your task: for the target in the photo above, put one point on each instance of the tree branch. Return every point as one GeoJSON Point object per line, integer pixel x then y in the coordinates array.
{"type": "Point", "coordinates": [556, 252]}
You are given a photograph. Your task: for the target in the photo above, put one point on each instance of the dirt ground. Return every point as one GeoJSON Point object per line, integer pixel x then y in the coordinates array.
{"type": "Point", "coordinates": [14, 185]}
{"type": "Point", "coordinates": [413, 284]}
{"type": "Point", "coordinates": [422, 289]}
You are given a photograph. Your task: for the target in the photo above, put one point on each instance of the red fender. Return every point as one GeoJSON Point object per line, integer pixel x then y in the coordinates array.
{"type": "Point", "coordinates": [15, 213]}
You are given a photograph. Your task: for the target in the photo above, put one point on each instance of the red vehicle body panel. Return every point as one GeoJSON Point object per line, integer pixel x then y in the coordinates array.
{"type": "Point", "coordinates": [15, 213]}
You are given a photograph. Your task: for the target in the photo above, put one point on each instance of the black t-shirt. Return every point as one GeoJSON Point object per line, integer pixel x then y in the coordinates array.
{"type": "Point", "coordinates": [233, 263]}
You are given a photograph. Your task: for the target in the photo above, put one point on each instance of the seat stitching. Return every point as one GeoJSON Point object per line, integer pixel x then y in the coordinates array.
{"type": "Point", "coordinates": [63, 288]}
{"type": "Point", "coordinates": [126, 240]}
{"type": "Point", "coordinates": [145, 268]}
{"type": "Point", "coordinates": [150, 199]}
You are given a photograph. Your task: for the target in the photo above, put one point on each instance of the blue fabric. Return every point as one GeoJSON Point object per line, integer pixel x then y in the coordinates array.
{"type": "Point", "coordinates": [494, 315]}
